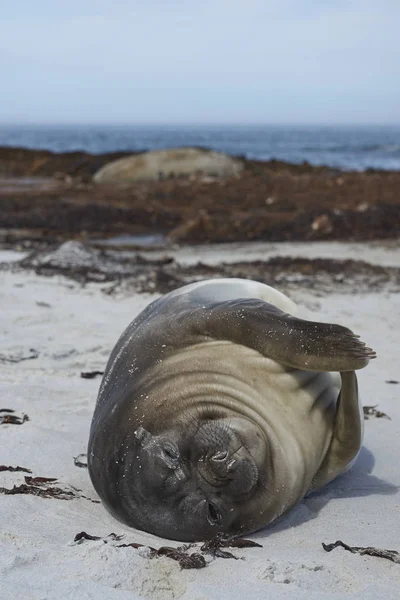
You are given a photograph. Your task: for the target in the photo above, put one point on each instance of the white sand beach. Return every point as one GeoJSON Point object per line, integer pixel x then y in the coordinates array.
{"type": "Point", "coordinates": [71, 329]}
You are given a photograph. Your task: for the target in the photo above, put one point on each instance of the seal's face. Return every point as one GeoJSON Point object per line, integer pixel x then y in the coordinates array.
{"type": "Point", "coordinates": [203, 482]}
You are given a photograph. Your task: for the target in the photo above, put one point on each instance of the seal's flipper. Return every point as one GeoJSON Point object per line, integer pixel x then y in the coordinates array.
{"type": "Point", "coordinates": [291, 341]}
{"type": "Point", "coordinates": [175, 321]}
{"type": "Point", "coordinates": [346, 436]}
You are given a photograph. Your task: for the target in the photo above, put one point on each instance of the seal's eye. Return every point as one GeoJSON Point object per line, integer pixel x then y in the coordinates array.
{"type": "Point", "coordinates": [213, 516]}
{"type": "Point", "coordinates": [170, 452]}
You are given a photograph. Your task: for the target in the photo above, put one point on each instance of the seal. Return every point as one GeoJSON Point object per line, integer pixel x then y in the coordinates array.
{"type": "Point", "coordinates": [220, 409]}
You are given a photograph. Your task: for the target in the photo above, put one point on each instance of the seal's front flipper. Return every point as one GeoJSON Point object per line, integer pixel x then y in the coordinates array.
{"type": "Point", "coordinates": [347, 434]}
{"type": "Point", "coordinates": [294, 342]}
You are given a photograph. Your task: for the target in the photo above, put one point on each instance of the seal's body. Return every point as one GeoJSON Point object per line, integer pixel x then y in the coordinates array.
{"type": "Point", "coordinates": [220, 409]}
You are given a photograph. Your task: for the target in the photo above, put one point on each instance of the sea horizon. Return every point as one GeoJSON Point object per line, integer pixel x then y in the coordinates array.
{"type": "Point", "coordinates": [348, 147]}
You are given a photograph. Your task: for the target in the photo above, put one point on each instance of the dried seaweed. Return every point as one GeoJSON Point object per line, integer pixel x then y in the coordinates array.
{"type": "Point", "coordinates": [85, 263]}
{"type": "Point", "coordinates": [91, 500]}
{"type": "Point", "coordinates": [14, 469]}
{"type": "Point", "coordinates": [185, 560]}
{"type": "Point", "coordinates": [83, 536]}
{"type": "Point", "coordinates": [11, 419]}
{"type": "Point", "coordinates": [115, 537]}
{"type": "Point", "coordinates": [370, 411]}
{"type": "Point", "coordinates": [91, 374]}
{"type": "Point", "coordinates": [215, 545]}
{"type": "Point", "coordinates": [50, 492]}
{"type": "Point", "coordinates": [78, 461]}
{"type": "Point", "coordinates": [242, 543]}
{"type": "Point", "coordinates": [196, 560]}
{"type": "Point", "coordinates": [392, 555]}
{"type": "Point", "coordinates": [39, 480]}
{"type": "Point", "coordinates": [39, 486]}
{"type": "Point", "coordinates": [80, 537]}
{"type": "Point", "coordinates": [135, 545]}
{"type": "Point", "coordinates": [181, 555]}
{"type": "Point", "coordinates": [43, 488]}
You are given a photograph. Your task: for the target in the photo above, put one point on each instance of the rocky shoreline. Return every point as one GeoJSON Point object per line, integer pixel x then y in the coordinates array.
{"type": "Point", "coordinates": [47, 197]}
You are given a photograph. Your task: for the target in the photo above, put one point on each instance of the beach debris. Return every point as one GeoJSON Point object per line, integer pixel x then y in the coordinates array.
{"type": "Point", "coordinates": [186, 560]}
{"type": "Point", "coordinates": [241, 543]}
{"type": "Point", "coordinates": [10, 418]}
{"type": "Point", "coordinates": [19, 356]}
{"type": "Point", "coordinates": [43, 304]}
{"type": "Point", "coordinates": [215, 545]}
{"type": "Point", "coordinates": [91, 374]}
{"type": "Point", "coordinates": [181, 555]}
{"type": "Point", "coordinates": [43, 488]}
{"type": "Point", "coordinates": [39, 486]}
{"type": "Point", "coordinates": [39, 480]}
{"type": "Point", "coordinates": [78, 461]}
{"type": "Point", "coordinates": [392, 555]}
{"type": "Point", "coordinates": [129, 271]}
{"type": "Point", "coordinates": [115, 538]}
{"type": "Point", "coordinates": [370, 411]}
{"type": "Point", "coordinates": [14, 469]}
{"type": "Point", "coordinates": [392, 381]}
{"type": "Point", "coordinates": [82, 536]}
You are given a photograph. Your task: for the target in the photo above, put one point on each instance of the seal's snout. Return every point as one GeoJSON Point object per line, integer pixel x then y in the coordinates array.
{"type": "Point", "coordinates": [224, 462]}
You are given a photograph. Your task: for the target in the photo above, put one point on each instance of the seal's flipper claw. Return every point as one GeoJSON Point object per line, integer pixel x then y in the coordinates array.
{"type": "Point", "coordinates": [294, 342]}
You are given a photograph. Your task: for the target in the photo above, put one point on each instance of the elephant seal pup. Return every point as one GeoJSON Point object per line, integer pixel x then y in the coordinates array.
{"type": "Point", "coordinates": [218, 411]}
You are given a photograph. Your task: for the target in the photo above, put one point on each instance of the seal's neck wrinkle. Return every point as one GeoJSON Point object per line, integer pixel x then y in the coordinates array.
{"type": "Point", "coordinates": [217, 375]}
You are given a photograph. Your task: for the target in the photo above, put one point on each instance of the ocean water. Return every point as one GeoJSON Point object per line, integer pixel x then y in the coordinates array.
{"type": "Point", "coordinates": [356, 148]}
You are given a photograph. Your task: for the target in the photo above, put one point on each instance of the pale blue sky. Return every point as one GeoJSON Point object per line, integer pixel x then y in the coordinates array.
{"type": "Point", "coordinates": [209, 61]}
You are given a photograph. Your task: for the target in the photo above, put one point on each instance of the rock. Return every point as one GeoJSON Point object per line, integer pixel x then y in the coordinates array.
{"type": "Point", "coordinates": [322, 224]}
{"type": "Point", "coordinates": [173, 163]}
{"type": "Point", "coordinates": [69, 255]}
